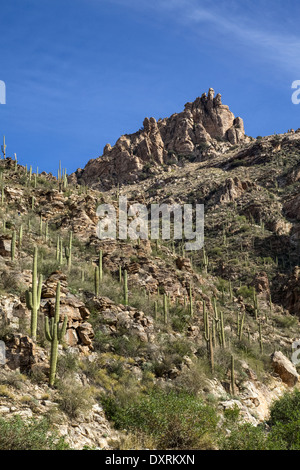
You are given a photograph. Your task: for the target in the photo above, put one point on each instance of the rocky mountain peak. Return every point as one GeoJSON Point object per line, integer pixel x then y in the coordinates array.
{"type": "Point", "coordinates": [203, 125]}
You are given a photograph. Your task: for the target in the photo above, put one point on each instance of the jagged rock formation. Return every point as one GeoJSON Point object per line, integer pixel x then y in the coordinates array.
{"type": "Point", "coordinates": [191, 132]}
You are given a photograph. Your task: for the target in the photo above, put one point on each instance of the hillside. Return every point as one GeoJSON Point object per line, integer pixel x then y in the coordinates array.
{"type": "Point", "coordinates": [208, 333]}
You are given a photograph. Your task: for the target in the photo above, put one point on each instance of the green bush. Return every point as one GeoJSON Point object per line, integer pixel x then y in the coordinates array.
{"type": "Point", "coordinates": [176, 420]}
{"type": "Point", "coordinates": [16, 434]}
{"type": "Point", "coordinates": [74, 398]}
{"type": "Point", "coordinates": [246, 292]}
{"type": "Point", "coordinates": [245, 437]}
{"type": "Point", "coordinates": [285, 422]}
{"type": "Point", "coordinates": [282, 433]}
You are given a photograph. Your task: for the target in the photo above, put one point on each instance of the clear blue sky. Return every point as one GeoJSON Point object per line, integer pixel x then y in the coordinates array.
{"type": "Point", "coordinates": [80, 73]}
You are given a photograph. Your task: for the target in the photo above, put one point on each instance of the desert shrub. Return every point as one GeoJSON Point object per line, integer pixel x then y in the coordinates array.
{"type": "Point", "coordinates": [245, 437]}
{"type": "Point", "coordinates": [282, 431]}
{"type": "Point", "coordinates": [16, 434]}
{"type": "Point", "coordinates": [67, 364]}
{"type": "Point", "coordinates": [13, 379]}
{"type": "Point", "coordinates": [286, 321]}
{"type": "Point", "coordinates": [10, 283]}
{"type": "Point", "coordinates": [37, 375]}
{"type": "Point", "coordinates": [194, 378]}
{"type": "Point", "coordinates": [285, 422]}
{"type": "Point", "coordinates": [123, 345]}
{"type": "Point", "coordinates": [246, 292]}
{"type": "Point", "coordinates": [175, 419]}
{"type": "Point", "coordinates": [74, 398]}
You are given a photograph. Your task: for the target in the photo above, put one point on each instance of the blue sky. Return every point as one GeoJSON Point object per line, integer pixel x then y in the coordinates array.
{"type": "Point", "coordinates": [80, 73]}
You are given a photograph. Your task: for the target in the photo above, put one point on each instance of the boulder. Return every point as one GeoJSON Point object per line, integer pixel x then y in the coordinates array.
{"type": "Point", "coordinates": [284, 368]}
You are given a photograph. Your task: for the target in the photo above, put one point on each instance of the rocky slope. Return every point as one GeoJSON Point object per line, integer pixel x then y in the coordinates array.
{"type": "Point", "coordinates": [114, 354]}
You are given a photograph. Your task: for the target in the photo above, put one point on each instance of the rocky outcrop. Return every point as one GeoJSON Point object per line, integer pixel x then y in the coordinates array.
{"type": "Point", "coordinates": [285, 369]}
{"type": "Point", "coordinates": [234, 188]}
{"type": "Point", "coordinates": [192, 132]}
{"type": "Point", "coordinates": [261, 284]}
{"type": "Point", "coordinates": [79, 332]}
{"type": "Point", "coordinates": [291, 293]}
{"type": "Point", "coordinates": [116, 318]}
{"type": "Point", "coordinates": [292, 208]}
{"type": "Point", "coordinates": [22, 353]}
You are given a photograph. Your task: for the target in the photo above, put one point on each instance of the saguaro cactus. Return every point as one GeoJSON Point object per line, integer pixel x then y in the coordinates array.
{"type": "Point", "coordinates": [41, 226]}
{"type": "Point", "coordinates": [232, 376]}
{"type": "Point", "coordinates": [165, 309]}
{"type": "Point", "coordinates": [3, 147]}
{"type": "Point", "coordinates": [100, 265]}
{"type": "Point", "coordinates": [54, 334]}
{"type": "Point", "coordinates": [223, 341]}
{"type": "Point", "coordinates": [33, 297]}
{"type": "Point", "coordinates": [261, 344]}
{"type": "Point", "coordinates": [255, 303]}
{"type": "Point", "coordinates": [60, 251]}
{"type": "Point", "coordinates": [20, 237]}
{"type": "Point", "coordinates": [211, 352]}
{"type": "Point", "coordinates": [57, 249]}
{"type": "Point", "coordinates": [205, 260]}
{"type": "Point", "coordinates": [125, 288]}
{"type": "Point", "coordinates": [13, 245]}
{"type": "Point", "coordinates": [68, 251]}
{"type": "Point", "coordinates": [96, 281]}
{"type": "Point", "coordinates": [206, 325]}
{"type": "Point", "coordinates": [191, 302]}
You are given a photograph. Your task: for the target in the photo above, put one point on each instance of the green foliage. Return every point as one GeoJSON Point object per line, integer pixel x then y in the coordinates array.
{"type": "Point", "coordinates": [74, 398]}
{"type": "Point", "coordinates": [16, 434]}
{"type": "Point", "coordinates": [245, 437]}
{"type": "Point", "coordinates": [246, 292]}
{"type": "Point", "coordinates": [282, 432]}
{"type": "Point", "coordinates": [176, 420]}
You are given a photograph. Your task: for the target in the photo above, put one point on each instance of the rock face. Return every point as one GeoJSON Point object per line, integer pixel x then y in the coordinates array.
{"type": "Point", "coordinates": [79, 332]}
{"type": "Point", "coordinates": [234, 188]}
{"type": "Point", "coordinates": [22, 353]}
{"type": "Point", "coordinates": [189, 133]}
{"type": "Point", "coordinates": [285, 369]}
{"type": "Point", "coordinates": [291, 293]}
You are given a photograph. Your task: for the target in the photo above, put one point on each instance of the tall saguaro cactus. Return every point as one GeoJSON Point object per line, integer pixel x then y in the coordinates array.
{"type": "Point", "coordinates": [13, 245]}
{"type": "Point", "coordinates": [191, 301]}
{"type": "Point", "coordinates": [96, 281]}
{"type": "Point", "coordinates": [33, 297]}
{"type": "Point", "coordinates": [125, 287]}
{"type": "Point", "coordinates": [206, 325]}
{"type": "Point", "coordinates": [165, 309]}
{"type": "Point", "coordinates": [232, 376]}
{"type": "Point", "coordinates": [68, 251]}
{"type": "Point", "coordinates": [54, 334]}
{"type": "Point", "coordinates": [100, 265]}
{"type": "Point", "coordinates": [3, 148]}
